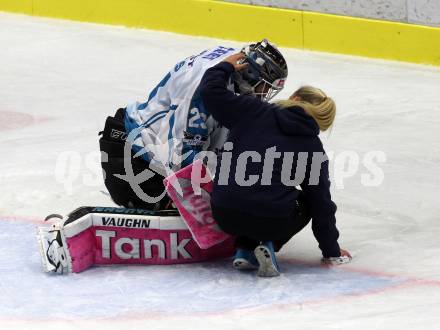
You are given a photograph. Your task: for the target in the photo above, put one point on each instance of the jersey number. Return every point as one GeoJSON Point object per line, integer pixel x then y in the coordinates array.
{"type": "Point", "coordinates": [196, 116]}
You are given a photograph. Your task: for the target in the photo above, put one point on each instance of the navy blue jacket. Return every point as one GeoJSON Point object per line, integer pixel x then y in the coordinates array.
{"type": "Point", "coordinates": [257, 126]}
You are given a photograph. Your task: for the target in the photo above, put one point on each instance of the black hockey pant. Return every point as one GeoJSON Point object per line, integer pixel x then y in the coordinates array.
{"type": "Point", "coordinates": [112, 143]}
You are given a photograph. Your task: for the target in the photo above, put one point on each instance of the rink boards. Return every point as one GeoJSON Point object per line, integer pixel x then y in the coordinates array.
{"type": "Point", "coordinates": [290, 28]}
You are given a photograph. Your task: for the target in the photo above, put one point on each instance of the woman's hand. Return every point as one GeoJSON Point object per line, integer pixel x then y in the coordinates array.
{"type": "Point", "coordinates": [343, 259]}
{"type": "Point", "coordinates": [236, 60]}
{"type": "Point", "coordinates": [345, 253]}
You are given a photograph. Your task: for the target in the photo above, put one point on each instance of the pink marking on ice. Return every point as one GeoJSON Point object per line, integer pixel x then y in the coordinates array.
{"type": "Point", "coordinates": [23, 218]}
{"type": "Point", "coordinates": [10, 120]}
{"type": "Point", "coordinates": [354, 269]}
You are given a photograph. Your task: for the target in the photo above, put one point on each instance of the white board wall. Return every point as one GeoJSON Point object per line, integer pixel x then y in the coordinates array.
{"type": "Point", "coordinates": [425, 12]}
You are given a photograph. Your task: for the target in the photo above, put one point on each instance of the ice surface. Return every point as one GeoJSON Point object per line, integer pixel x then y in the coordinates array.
{"type": "Point", "coordinates": [207, 287]}
{"type": "Point", "coordinates": [58, 82]}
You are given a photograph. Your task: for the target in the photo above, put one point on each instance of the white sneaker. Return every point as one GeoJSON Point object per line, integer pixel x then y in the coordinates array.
{"type": "Point", "coordinates": [266, 258]}
{"type": "Point", "coordinates": [245, 260]}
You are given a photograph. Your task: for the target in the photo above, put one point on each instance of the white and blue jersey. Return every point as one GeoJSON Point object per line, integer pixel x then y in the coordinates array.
{"type": "Point", "coordinates": [174, 121]}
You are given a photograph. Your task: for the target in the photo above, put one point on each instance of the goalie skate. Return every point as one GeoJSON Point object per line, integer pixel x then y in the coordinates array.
{"type": "Point", "coordinates": [54, 254]}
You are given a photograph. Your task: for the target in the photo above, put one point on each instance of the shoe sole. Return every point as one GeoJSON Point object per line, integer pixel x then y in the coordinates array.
{"type": "Point", "coordinates": [267, 265]}
{"type": "Point", "coordinates": [243, 264]}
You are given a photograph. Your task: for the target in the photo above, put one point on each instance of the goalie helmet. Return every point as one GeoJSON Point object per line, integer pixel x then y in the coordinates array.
{"type": "Point", "coordinates": [266, 73]}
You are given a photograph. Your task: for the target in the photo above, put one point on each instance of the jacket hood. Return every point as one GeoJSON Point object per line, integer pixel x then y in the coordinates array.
{"type": "Point", "coordinates": [294, 120]}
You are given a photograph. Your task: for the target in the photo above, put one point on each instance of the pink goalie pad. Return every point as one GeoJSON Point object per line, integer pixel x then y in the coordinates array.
{"type": "Point", "coordinates": [103, 239]}
{"type": "Point", "coordinates": [107, 246]}
{"type": "Point", "coordinates": [82, 250]}
{"type": "Point", "coordinates": [190, 189]}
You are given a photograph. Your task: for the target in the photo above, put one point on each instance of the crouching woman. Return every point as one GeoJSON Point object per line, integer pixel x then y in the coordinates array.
{"type": "Point", "coordinates": [271, 149]}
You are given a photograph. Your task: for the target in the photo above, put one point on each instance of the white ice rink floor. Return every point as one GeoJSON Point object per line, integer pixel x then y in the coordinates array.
{"type": "Point", "coordinates": [58, 82]}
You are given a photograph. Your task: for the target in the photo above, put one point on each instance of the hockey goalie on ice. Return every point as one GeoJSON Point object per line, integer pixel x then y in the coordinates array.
{"type": "Point", "coordinates": [207, 168]}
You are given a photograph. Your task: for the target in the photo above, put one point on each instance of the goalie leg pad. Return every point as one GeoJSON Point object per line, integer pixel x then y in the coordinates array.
{"type": "Point", "coordinates": [97, 235]}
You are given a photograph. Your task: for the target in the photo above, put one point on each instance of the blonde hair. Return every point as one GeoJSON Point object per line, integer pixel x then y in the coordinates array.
{"type": "Point", "coordinates": [315, 103]}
